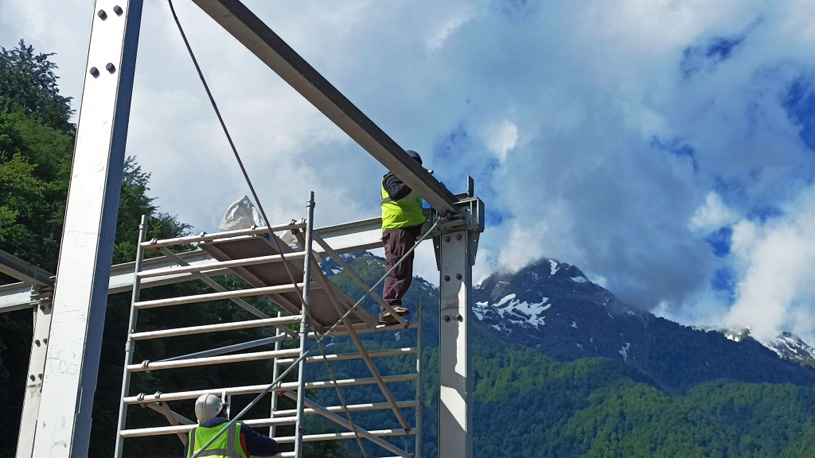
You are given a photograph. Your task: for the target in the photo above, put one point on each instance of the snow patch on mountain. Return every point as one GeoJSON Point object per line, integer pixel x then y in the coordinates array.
{"type": "Point", "coordinates": [509, 309]}
{"type": "Point", "coordinates": [624, 351]}
{"type": "Point", "coordinates": [786, 345]}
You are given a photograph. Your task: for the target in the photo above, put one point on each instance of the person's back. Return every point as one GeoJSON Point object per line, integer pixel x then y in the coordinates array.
{"type": "Point", "coordinates": [238, 441]}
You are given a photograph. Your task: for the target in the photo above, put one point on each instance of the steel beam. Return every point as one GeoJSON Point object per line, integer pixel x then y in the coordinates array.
{"type": "Point", "coordinates": [86, 250]}
{"type": "Point", "coordinates": [23, 271]}
{"type": "Point", "coordinates": [16, 296]}
{"type": "Point", "coordinates": [239, 21]}
{"type": "Point", "coordinates": [344, 238]}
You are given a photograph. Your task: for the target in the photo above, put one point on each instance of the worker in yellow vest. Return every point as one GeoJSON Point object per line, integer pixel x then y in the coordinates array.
{"type": "Point", "coordinates": [240, 441]}
{"type": "Point", "coordinates": [402, 219]}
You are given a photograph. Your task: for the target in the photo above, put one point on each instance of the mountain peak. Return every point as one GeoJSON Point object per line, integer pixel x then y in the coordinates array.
{"type": "Point", "coordinates": [551, 306]}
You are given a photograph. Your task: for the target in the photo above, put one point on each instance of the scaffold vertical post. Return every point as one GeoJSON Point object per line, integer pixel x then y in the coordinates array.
{"type": "Point", "coordinates": [301, 389]}
{"type": "Point", "coordinates": [275, 374]}
{"type": "Point", "coordinates": [130, 344]}
{"type": "Point", "coordinates": [455, 406]}
{"type": "Point", "coordinates": [419, 403]}
{"type": "Point", "coordinates": [86, 249]}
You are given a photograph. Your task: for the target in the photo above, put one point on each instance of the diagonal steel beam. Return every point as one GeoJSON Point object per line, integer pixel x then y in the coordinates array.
{"type": "Point", "coordinates": [23, 271]}
{"type": "Point", "coordinates": [346, 424]}
{"type": "Point", "coordinates": [239, 21]}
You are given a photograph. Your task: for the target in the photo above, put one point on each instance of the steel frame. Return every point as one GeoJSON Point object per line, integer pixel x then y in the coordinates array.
{"type": "Point", "coordinates": [74, 337]}
{"type": "Point", "coordinates": [281, 357]}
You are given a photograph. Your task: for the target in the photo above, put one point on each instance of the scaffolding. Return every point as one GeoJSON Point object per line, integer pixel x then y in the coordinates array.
{"type": "Point", "coordinates": [312, 309]}
{"type": "Point", "coordinates": [56, 418]}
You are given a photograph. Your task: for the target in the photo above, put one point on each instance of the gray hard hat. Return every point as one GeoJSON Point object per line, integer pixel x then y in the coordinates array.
{"type": "Point", "coordinates": [414, 155]}
{"type": "Point", "coordinates": [207, 407]}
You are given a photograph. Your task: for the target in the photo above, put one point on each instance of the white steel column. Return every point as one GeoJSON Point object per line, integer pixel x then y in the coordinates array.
{"type": "Point", "coordinates": [80, 296]}
{"type": "Point", "coordinates": [33, 383]}
{"type": "Point", "coordinates": [455, 407]}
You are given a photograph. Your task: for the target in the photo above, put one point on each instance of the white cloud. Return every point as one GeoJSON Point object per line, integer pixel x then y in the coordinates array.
{"type": "Point", "coordinates": [776, 289]}
{"type": "Point", "coordinates": [501, 138]}
{"type": "Point", "coordinates": [712, 215]}
{"type": "Point", "coordinates": [587, 141]}
{"type": "Point", "coordinates": [522, 246]}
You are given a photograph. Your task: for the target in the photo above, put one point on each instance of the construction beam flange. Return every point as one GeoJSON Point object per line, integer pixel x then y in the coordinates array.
{"type": "Point", "coordinates": [250, 31]}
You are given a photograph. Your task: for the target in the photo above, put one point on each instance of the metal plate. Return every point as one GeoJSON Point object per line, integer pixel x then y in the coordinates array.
{"type": "Point", "coordinates": [323, 314]}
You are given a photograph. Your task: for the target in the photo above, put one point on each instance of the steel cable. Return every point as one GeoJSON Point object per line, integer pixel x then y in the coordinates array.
{"type": "Point", "coordinates": [318, 341]}
{"type": "Point", "coordinates": [275, 239]}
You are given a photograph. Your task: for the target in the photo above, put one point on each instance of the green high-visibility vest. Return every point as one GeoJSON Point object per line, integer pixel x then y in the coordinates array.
{"type": "Point", "coordinates": [406, 212]}
{"type": "Point", "coordinates": [227, 445]}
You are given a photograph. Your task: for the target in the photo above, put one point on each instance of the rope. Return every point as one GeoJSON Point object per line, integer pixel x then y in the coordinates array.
{"type": "Point", "coordinates": [276, 240]}
{"type": "Point", "coordinates": [273, 236]}
{"type": "Point", "coordinates": [318, 341]}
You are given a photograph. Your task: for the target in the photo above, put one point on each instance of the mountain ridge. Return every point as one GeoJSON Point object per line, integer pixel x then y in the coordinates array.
{"type": "Point", "coordinates": [551, 306]}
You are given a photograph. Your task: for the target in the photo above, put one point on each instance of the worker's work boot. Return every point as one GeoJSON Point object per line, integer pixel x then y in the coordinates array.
{"type": "Point", "coordinates": [385, 317]}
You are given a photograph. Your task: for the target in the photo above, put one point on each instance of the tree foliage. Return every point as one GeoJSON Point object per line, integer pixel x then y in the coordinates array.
{"type": "Point", "coordinates": [30, 85]}
{"type": "Point", "coordinates": [36, 144]}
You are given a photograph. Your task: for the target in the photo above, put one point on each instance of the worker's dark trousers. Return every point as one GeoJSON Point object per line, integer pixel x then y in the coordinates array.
{"type": "Point", "coordinates": [397, 243]}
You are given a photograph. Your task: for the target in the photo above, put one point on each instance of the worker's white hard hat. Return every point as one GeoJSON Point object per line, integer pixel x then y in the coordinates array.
{"type": "Point", "coordinates": [207, 407]}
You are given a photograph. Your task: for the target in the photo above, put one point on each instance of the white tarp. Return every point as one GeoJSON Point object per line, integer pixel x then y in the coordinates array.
{"type": "Point", "coordinates": [242, 214]}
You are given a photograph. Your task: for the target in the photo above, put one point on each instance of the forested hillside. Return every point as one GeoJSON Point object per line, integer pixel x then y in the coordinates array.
{"type": "Point", "coordinates": [529, 404]}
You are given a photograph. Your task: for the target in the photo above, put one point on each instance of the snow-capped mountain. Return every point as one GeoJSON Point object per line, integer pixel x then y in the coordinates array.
{"type": "Point", "coordinates": [786, 345]}
{"type": "Point", "coordinates": [791, 347]}
{"type": "Point", "coordinates": [553, 307]}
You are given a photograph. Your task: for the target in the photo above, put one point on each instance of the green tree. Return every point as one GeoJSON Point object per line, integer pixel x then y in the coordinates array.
{"type": "Point", "coordinates": [30, 84]}
{"type": "Point", "coordinates": [36, 146]}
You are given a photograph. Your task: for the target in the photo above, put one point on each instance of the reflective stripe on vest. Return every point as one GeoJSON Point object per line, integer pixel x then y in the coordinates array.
{"type": "Point", "coordinates": [406, 212]}
{"type": "Point", "coordinates": [227, 445]}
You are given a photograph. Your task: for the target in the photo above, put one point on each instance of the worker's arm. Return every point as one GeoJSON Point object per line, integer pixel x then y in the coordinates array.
{"type": "Point", "coordinates": [396, 188]}
{"type": "Point", "coordinates": [258, 444]}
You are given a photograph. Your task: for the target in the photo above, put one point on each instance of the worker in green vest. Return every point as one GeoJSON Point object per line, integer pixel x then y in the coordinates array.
{"type": "Point", "coordinates": [402, 219]}
{"type": "Point", "coordinates": [240, 441]}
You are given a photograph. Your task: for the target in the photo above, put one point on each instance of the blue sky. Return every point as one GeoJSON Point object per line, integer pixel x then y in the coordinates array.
{"type": "Point", "coordinates": [666, 147]}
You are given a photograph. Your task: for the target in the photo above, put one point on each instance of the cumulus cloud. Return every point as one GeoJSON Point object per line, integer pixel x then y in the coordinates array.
{"type": "Point", "coordinates": [616, 136]}
{"type": "Point", "coordinates": [712, 215]}
{"type": "Point", "coordinates": [776, 289]}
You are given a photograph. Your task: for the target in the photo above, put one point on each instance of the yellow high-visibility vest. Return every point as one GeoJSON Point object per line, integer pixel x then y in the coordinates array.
{"type": "Point", "coordinates": [227, 445]}
{"type": "Point", "coordinates": [406, 212]}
